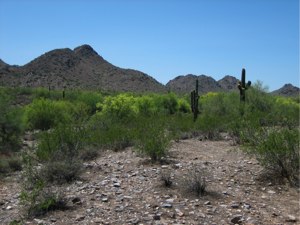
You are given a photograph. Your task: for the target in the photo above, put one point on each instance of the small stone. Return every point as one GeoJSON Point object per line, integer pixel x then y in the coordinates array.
{"type": "Point", "coordinates": [117, 185]}
{"type": "Point", "coordinates": [9, 207]}
{"type": "Point", "coordinates": [235, 205]}
{"type": "Point", "coordinates": [80, 218]}
{"type": "Point", "coordinates": [170, 200]}
{"type": "Point", "coordinates": [164, 166]}
{"type": "Point", "coordinates": [119, 208]}
{"type": "Point", "coordinates": [156, 217]}
{"type": "Point", "coordinates": [291, 218]}
{"type": "Point", "coordinates": [104, 199]}
{"type": "Point", "coordinates": [53, 220]}
{"type": "Point", "coordinates": [202, 215]}
{"type": "Point", "coordinates": [237, 219]}
{"type": "Point", "coordinates": [39, 222]}
{"type": "Point", "coordinates": [178, 165]}
{"type": "Point", "coordinates": [179, 213]}
{"type": "Point", "coordinates": [207, 203]}
{"type": "Point", "coordinates": [271, 192]}
{"type": "Point", "coordinates": [247, 206]}
{"type": "Point", "coordinates": [134, 221]}
{"type": "Point", "coordinates": [167, 205]}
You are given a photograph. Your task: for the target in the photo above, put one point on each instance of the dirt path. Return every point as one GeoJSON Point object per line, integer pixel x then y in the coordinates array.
{"type": "Point", "coordinates": [123, 188]}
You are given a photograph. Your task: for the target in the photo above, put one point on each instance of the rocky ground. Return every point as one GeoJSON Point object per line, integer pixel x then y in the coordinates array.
{"type": "Point", "coordinates": [124, 188]}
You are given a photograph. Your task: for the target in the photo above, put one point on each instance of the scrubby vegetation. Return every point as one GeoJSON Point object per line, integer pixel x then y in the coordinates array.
{"type": "Point", "coordinates": [76, 126]}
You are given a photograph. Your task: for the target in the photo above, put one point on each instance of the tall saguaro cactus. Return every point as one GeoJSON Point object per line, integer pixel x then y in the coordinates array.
{"type": "Point", "coordinates": [243, 86]}
{"type": "Point", "coordinates": [194, 101]}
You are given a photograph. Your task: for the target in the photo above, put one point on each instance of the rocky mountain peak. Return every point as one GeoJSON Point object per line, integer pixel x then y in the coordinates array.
{"type": "Point", "coordinates": [85, 51]}
{"type": "Point", "coordinates": [2, 64]}
{"type": "Point", "coordinates": [287, 90]}
{"type": "Point", "coordinates": [228, 83]}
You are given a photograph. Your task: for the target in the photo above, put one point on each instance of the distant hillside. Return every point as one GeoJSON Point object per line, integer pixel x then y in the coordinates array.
{"type": "Point", "coordinates": [185, 84]}
{"type": "Point", "coordinates": [228, 83]}
{"type": "Point", "coordinates": [80, 68]}
{"type": "Point", "coordinates": [84, 68]}
{"type": "Point", "coordinates": [288, 90]}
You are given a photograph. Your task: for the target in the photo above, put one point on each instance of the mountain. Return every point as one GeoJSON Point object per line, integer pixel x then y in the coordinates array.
{"type": "Point", "coordinates": [287, 90]}
{"type": "Point", "coordinates": [228, 83]}
{"type": "Point", "coordinates": [185, 84]}
{"type": "Point", "coordinates": [80, 68]}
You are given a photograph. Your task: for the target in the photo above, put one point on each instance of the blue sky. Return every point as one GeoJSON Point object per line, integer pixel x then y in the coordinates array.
{"type": "Point", "coordinates": [163, 38]}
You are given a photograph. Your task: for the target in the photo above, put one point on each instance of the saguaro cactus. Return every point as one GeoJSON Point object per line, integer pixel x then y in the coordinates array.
{"type": "Point", "coordinates": [243, 86]}
{"type": "Point", "coordinates": [194, 101]}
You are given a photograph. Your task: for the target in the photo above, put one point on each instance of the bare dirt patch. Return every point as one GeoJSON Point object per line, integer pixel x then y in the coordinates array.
{"type": "Point", "coordinates": [124, 188]}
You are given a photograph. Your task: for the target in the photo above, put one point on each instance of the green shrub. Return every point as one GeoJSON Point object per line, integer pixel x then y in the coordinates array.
{"type": "Point", "coordinates": [90, 99]}
{"type": "Point", "coordinates": [15, 163]}
{"type": "Point", "coordinates": [180, 126]}
{"type": "Point", "coordinates": [11, 124]}
{"type": "Point", "coordinates": [45, 114]}
{"type": "Point", "coordinates": [89, 153]}
{"type": "Point", "coordinates": [4, 166]}
{"type": "Point", "coordinates": [146, 105]}
{"type": "Point", "coordinates": [62, 170]}
{"type": "Point", "coordinates": [65, 141]}
{"type": "Point", "coordinates": [37, 196]}
{"type": "Point", "coordinates": [10, 164]}
{"type": "Point", "coordinates": [60, 149]}
{"type": "Point", "coordinates": [183, 106]}
{"type": "Point", "coordinates": [152, 137]}
{"type": "Point", "coordinates": [169, 103]}
{"type": "Point", "coordinates": [121, 107]}
{"type": "Point", "coordinates": [276, 149]}
{"type": "Point", "coordinates": [217, 112]}
{"type": "Point", "coordinates": [108, 132]}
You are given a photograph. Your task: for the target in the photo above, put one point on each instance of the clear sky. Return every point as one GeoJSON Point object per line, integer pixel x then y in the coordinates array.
{"type": "Point", "coordinates": [163, 38]}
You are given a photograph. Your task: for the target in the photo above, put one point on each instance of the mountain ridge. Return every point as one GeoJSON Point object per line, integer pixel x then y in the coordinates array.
{"type": "Point", "coordinates": [84, 68]}
{"type": "Point", "coordinates": [80, 68]}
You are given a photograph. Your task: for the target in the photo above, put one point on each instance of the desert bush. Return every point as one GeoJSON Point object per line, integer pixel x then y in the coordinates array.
{"type": "Point", "coordinates": [15, 163]}
{"type": "Point", "coordinates": [63, 141]}
{"type": "Point", "coordinates": [166, 178]}
{"type": "Point", "coordinates": [218, 111]}
{"type": "Point", "coordinates": [37, 196]}
{"type": "Point", "coordinates": [276, 148]}
{"type": "Point", "coordinates": [109, 132]}
{"type": "Point", "coordinates": [183, 106]}
{"type": "Point", "coordinates": [180, 126]}
{"type": "Point", "coordinates": [91, 99]}
{"type": "Point", "coordinates": [194, 181]}
{"type": "Point", "coordinates": [169, 103]}
{"type": "Point", "coordinates": [11, 124]}
{"type": "Point", "coordinates": [4, 166]}
{"type": "Point", "coordinates": [10, 164]}
{"type": "Point", "coordinates": [62, 170]}
{"type": "Point", "coordinates": [285, 111]}
{"type": "Point", "coordinates": [146, 105]}
{"type": "Point", "coordinates": [60, 149]}
{"type": "Point", "coordinates": [89, 153]}
{"type": "Point", "coordinates": [152, 138]}
{"type": "Point", "coordinates": [121, 107]}
{"type": "Point", "coordinates": [45, 114]}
